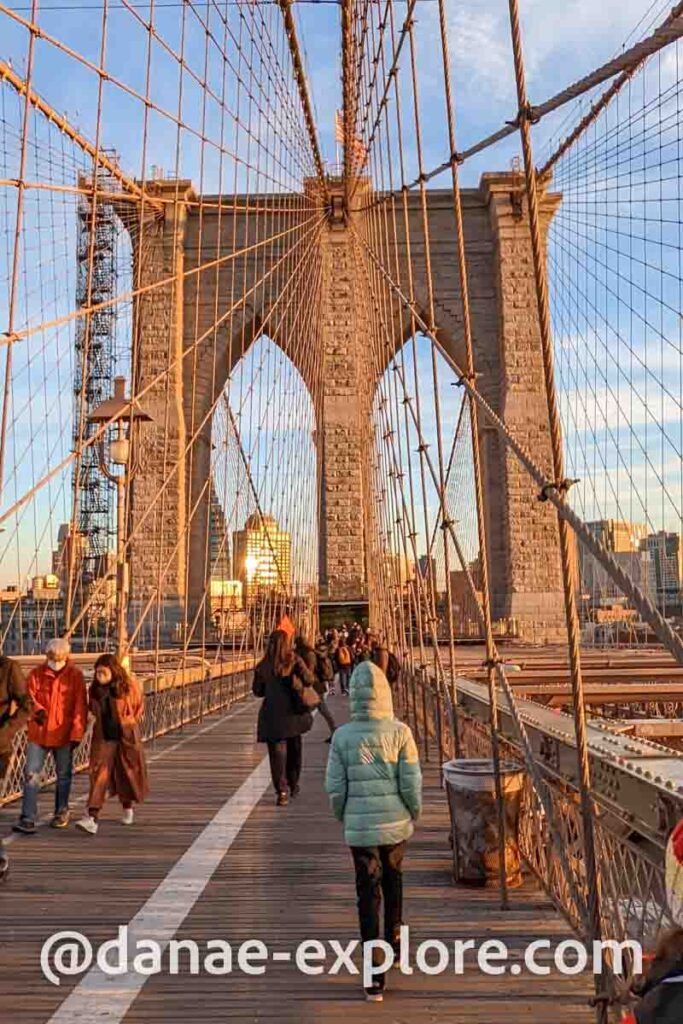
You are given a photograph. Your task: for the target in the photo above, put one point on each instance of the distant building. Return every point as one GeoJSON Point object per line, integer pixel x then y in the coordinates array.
{"type": "Point", "coordinates": [71, 551]}
{"type": "Point", "coordinates": [618, 534]}
{"type": "Point", "coordinates": [399, 569]}
{"type": "Point", "coordinates": [28, 620]}
{"type": "Point", "coordinates": [599, 589]}
{"type": "Point", "coordinates": [464, 602]}
{"type": "Point", "coordinates": [262, 553]}
{"type": "Point", "coordinates": [622, 539]}
{"type": "Point", "coordinates": [93, 581]}
{"type": "Point", "coordinates": [219, 545]}
{"type": "Point", "coordinates": [666, 555]}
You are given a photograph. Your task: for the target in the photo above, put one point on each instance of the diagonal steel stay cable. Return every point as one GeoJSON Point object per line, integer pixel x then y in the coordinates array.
{"type": "Point", "coordinates": [390, 76]}
{"type": "Point", "coordinates": [549, 491]}
{"type": "Point", "coordinates": [264, 324]}
{"type": "Point", "coordinates": [166, 483]}
{"type": "Point", "coordinates": [603, 101]}
{"type": "Point", "coordinates": [97, 307]}
{"type": "Point", "coordinates": [539, 784]}
{"type": "Point", "coordinates": [250, 480]}
{"type": "Point", "coordinates": [375, 60]}
{"type": "Point", "coordinates": [613, 394]}
{"type": "Point", "coordinates": [594, 896]}
{"type": "Point", "coordinates": [666, 34]}
{"type": "Point", "coordinates": [300, 75]}
{"type": "Point", "coordinates": [24, 88]}
{"type": "Point", "coordinates": [47, 37]}
{"type": "Point", "coordinates": [99, 433]}
{"type": "Point", "coordinates": [33, 28]}
{"type": "Point", "coordinates": [449, 468]}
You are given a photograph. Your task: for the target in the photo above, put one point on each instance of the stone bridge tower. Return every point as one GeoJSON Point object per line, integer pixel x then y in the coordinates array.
{"type": "Point", "coordinates": [181, 327]}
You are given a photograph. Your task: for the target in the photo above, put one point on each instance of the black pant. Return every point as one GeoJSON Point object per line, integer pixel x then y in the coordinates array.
{"type": "Point", "coordinates": [285, 763]}
{"type": "Point", "coordinates": [379, 874]}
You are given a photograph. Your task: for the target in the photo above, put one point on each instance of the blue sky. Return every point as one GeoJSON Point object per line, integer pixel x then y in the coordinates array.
{"type": "Point", "coordinates": [563, 39]}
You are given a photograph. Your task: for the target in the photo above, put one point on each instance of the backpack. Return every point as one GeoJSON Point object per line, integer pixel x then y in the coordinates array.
{"type": "Point", "coordinates": [344, 656]}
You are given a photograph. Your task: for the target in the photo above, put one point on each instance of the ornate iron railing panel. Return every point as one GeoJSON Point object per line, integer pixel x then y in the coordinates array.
{"type": "Point", "coordinates": [165, 710]}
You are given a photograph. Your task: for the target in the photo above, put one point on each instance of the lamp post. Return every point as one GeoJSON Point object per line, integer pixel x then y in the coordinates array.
{"type": "Point", "coordinates": [124, 415]}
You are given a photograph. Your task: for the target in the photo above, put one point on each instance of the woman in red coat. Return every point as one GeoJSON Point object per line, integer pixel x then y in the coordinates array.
{"type": "Point", "coordinates": [117, 759]}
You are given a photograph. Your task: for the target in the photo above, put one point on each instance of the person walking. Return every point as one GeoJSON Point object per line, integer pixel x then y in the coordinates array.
{"type": "Point", "coordinates": [344, 663]}
{"type": "Point", "coordinates": [374, 783]}
{"type": "Point", "coordinates": [318, 662]}
{"type": "Point", "coordinates": [660, 992]}
{"type": "Point", "coordinates": [282, 720]}
{"type": "Point", "coordinates": [57, 724]}
{"type": "Point", "coordinates": [387, 661]}
{"type": "Point", "coordinates": [15, 708]}
{"type": "Point", "coordinates": [117, 758]}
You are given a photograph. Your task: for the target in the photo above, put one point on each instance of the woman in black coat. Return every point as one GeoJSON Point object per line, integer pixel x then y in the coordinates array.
{"type": "Point", "coordinates": [280, 724]}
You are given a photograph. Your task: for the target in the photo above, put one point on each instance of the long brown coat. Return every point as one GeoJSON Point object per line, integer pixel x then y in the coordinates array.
{"type": "Point", "coordinates": [15, 706]}
{"type": "Point", "coordinates": [118, 767]}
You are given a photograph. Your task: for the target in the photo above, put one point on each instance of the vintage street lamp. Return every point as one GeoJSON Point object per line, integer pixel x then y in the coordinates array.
{"type": "Point", "coordinates": [125, 416]}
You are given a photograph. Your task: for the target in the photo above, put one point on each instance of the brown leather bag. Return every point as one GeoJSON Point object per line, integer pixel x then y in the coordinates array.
{"type": "Point", "coordinates": [304, 697]}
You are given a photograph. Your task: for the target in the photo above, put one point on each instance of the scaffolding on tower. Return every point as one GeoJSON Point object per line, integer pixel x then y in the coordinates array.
{"type": "Point", "coordinates": [90, 548]}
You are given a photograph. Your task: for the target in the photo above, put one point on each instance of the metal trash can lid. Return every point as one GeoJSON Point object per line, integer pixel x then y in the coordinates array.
{"type": "Point", "coordinates": [479, 766]}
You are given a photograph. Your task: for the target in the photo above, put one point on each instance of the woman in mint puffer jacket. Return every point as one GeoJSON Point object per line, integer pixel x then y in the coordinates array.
{"type": "Point", "coordinates": [375, 787]}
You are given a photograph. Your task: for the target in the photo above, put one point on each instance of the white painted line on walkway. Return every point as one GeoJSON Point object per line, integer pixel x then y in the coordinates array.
{"type": "Point", "coordinates": [107, 998]}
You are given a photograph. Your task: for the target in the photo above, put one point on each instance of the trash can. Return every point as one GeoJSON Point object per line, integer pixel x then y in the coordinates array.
{"type": "Point", "coordinates": [471, 788]}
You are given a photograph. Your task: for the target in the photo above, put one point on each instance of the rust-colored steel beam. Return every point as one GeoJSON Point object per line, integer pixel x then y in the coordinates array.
{"type": "Point", "coordinates": [652, 728]}
{"type": "Point", "coordinates": [555, 695]}
{"type": "Point", "coordinates": [608, 677]}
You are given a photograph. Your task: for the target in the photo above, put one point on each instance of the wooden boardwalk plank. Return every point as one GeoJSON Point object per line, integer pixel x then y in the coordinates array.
{"type": "Point", "coordinates": [286, 878]}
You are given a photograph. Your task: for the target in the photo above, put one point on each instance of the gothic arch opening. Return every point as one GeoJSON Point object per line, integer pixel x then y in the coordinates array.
{"type": "Point", "coordinates": [263, 536]}
{"type": "Point", "coordinates": [422, 442]}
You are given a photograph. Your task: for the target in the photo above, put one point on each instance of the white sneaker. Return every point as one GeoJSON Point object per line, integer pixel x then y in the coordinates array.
{"type": "Point", "coordinates": [127, 817]}
{"type": "Point", "coordinates": [88, 824]}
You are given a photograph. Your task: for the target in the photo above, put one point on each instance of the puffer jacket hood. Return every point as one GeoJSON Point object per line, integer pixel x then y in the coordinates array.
{"type": "Point", "coordinates": [370, 694]}
{"type": "Point", "coordinates": [373, 773]}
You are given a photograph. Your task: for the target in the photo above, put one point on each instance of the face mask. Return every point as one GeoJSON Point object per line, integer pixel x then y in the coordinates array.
{"type": "Point", "coordinates": [56, 666]}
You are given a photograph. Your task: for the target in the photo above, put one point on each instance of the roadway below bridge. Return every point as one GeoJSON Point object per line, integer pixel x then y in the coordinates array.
{"type": "Point", "coordinates": [211, 857]}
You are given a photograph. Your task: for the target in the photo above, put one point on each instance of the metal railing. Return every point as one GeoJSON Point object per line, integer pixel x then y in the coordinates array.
{"type": "Point", "coordinates": [165, 710]}
{"type": "Point", "coordinates": [631, 872]}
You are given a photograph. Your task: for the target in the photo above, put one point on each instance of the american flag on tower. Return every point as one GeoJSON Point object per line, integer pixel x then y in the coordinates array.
{"type": "Point", "coordinates": [359, 150]}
